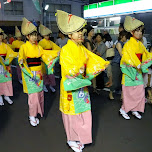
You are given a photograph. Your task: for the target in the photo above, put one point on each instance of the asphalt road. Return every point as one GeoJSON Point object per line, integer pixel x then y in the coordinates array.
{"type": "Point", "coordinates": [111, 132]}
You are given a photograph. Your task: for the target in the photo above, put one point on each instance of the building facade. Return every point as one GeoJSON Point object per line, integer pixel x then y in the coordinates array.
{"type": "Point", "coordinates": [11, 14]}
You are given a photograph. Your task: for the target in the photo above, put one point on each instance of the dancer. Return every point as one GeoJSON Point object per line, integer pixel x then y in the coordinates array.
{"type": "Point", "coordinates": [78, 66]}
{"type": "Point", "coordinates": [6, 57]}
{"type": "Point", "coordinates": [46, 44]}
{"type": "Point", "coordinates": [134, 62]}
{"type": "Point", "coordinates": [30, 56]}
{"type": "Point", "coordinates": [16, 45]}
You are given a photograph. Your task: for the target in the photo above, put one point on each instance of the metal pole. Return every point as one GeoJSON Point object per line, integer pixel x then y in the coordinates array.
{"type": "Point", "coordinates": [44, 12]}
{"type": "Point", "coordinates": [105, 24]}
{"type": "Point", "coordinates": [49, 20]}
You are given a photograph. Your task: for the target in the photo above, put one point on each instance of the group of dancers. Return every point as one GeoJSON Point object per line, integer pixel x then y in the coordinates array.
{"type": "Point", "coordinates": [35, 62]}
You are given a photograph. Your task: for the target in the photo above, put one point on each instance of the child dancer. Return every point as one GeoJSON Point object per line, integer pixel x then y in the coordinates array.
{"type": "Point", "coordinates": [134, 62]}
{"type": "Point", "coordinates": [78, 66]}
{"type": "Point", "coordinates": [6, 57]}
{"type": "Point", "coordinates": [30, 57]}
{"type": "Point", "coordinates": [16, 46]}
{"type": "Point", "coordinates": [46, 44]}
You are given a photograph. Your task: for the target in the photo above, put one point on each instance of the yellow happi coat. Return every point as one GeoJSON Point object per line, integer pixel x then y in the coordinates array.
{"type": "Point", "coordinates": [5, 50]}
{"type": "Point", "coordinates": [48, 45]}
{"type": "Point", "coordinates": [132, 76]}
{"type": "Point", "coordinates": [17, 44]}
{"type": "Point", "coordinates": [74, 96]}
{"type": "Point", "coordinates": [29, 55]}
{"type": "Point", "coordinates": [10, 46]}
{"type": "Point", "coordinates": [7, 55]}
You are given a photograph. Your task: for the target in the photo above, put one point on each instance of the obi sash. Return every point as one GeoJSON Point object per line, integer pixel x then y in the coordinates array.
{"type": "Point", "coordinates": [16, 50]}
{"type": "Point", "coordinates": [139, 56]}
{"type": "Point", "coordinates": [48, 49]}
{"type": "Point", "coordinates": [33, 61]}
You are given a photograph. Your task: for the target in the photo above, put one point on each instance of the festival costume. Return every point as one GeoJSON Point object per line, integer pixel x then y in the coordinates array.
{"type": "Point", "coordinates": [16, 46]}
{"type": "Point", "coordinates": [74, 96]}
{"type": "Point", "coordinates": [47, 45]}
{"type": "Point", "coordinates": [134, 62]}
{"type": "Point", "coordinates": [30, 58]}
{"type": "Point", "coordinates": [6, 57]}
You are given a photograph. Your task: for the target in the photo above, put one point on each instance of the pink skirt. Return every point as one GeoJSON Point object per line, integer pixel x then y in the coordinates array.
{"type": "Point", "coordinates": [36, 103]}
{"type": "Point", "coordinates": [6, 88]}
{"type": "Point", "coordinates": [19, 72]}
{"type": "Point", "coordinates": [133, 98]}
{"type": "Point", "coordinates": [78, 127]}
{"type": "Point", "coordinates": [49, 80]}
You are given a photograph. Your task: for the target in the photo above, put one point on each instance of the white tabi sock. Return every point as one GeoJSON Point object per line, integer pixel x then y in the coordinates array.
{"type": "Point", "coordinates": [8, 99]}
{"type": "Point", "coordinates": [1, 101]}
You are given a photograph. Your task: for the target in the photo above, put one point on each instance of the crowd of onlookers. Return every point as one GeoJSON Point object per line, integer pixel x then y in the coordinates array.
{"type": "Point", "coordinates": [103, 45]}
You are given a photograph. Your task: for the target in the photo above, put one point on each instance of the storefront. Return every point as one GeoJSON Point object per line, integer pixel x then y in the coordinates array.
{"type": "Point", "coordinates": [109, 14]}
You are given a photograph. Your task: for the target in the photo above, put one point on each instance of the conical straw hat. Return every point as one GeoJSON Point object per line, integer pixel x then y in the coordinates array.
{"type": "Point", "coordinates": [5, 36]}
{"type": "Point", "coordinates": [44, 30]}
{"type": "Point", "coordinates": [68, 23]}
{"type": "Point", "coordinates": [1, 31]}
{"type": "Point", "coordinates": [17, 32]}
{"type": "Point", "coordinates": [27, 27]}
{"type": "Point", "coordinates": [131, 23]}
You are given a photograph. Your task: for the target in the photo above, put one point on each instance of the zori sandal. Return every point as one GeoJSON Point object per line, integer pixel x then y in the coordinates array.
{"type": "Point", "coordinates": [33, 121]}
{"type": "Point", "coordinates": [74, 146]}
{"type": "Point", "coordinates": [136, 114]}
{"type": "Point", "coordinates": [124, 114]}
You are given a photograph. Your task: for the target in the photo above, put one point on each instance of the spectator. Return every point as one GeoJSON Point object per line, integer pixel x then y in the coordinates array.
{"type": "Point", "coordinates": [62, 40]}
{"type": "Point", "coordinates": [116, 71]}
{"type": "Point", "coordinates": [91, 47]}
{"type": "Point", "coordinates": [101, 51]}
{"type": "Point", "coordinates": [109, 45]}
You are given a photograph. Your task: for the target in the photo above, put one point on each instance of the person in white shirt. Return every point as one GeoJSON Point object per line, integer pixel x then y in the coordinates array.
{"type": "Point", "coordinates": [144, 41]}
{"type": "Point", "coordinates": [109, 44]}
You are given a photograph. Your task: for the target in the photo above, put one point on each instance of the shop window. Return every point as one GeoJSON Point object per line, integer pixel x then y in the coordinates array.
{"type": "Point", "coordinates": [13, 8]}
{"type": "Point", "coordinates": [53, 7]}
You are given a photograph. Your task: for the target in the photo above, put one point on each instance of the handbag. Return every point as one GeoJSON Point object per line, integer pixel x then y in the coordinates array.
{"type": "Point", "coordinates": [110, 53]}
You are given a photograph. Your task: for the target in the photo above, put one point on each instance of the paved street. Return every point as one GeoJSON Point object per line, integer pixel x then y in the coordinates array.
{"type": "Point", "coordinates": [111, 133]}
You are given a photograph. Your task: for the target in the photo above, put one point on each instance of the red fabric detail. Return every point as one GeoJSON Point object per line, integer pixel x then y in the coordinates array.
{"type": "Point", "coordinates": [88, 101]}
{"type": "Point", "coordinates": [48, 49]}
{"type": "Point", "coordinates": [69, 98]}
{"type": "Point", "coordinates": [2, 54]}
{"type": "Point", "coordinates": [11, 40]}
{"type": "Point", "coordinates": [28, 57]}
{"type": "Point", "coordinates": [34, 63]}
{"type": "Point", "coordinates": [28, 23]}
{"type": "Point", "coordinates": [70, 15]}
{"type": "Point", "coordinates": [139, 55]}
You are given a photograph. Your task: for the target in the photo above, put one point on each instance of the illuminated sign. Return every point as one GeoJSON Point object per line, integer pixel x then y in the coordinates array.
{"type": "Point", "coordinates": [117, 7]}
